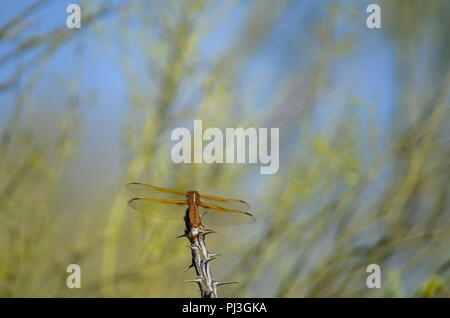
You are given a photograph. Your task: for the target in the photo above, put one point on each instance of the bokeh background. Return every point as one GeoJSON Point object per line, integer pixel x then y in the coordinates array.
{"type": "Point", "coordinates": [364, 145]}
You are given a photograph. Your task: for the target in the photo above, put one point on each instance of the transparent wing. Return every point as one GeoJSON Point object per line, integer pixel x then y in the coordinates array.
{"type": "Point", "coordinates": [154, 192]}
{"type": "Point", "coordinates": [218, 214]}
{"type": "Point", "coordinates": [159, 202]}
{"type": "Point", "coordinates": [225, 203]}
{"type": "Point", "coordinates": [161, 209]}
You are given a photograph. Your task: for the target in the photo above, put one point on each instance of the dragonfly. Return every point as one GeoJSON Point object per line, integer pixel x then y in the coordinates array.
{"type": "Point", "coordinates": [166, 203]}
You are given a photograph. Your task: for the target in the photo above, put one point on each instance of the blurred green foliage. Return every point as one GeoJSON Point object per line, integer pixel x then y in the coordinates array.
{"type": "Point", "coordinates": [347, 195]}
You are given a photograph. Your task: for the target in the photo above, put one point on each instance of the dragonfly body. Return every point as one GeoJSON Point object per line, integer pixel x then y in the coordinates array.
{"type": "Point", "coordinates": [193, 199]}
{"type": "Point", "coordinates": [213, 209]}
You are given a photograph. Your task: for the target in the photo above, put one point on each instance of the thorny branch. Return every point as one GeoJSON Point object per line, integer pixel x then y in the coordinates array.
{"type": "Point", "coordinates": [201, 259]}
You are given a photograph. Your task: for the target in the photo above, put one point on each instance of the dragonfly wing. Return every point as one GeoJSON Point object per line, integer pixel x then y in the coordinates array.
{"type": "Point", "coordinates": [225, 203]}
{"type": "Point", "coordinates": [159, 208]}
{"type": "Point", "coordinates": [154, 192]}
{"type": "Point", "coordinates": [219, 216]}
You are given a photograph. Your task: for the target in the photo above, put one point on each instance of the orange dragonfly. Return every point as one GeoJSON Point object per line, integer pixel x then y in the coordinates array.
{"type": "Point", "coordinates": [200, 207]}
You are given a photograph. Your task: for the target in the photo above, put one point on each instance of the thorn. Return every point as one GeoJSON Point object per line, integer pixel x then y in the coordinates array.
{"type": "Point", "coordinates": [187, 268]}
{"type": "Point", "coordinates": [214, 255]}
{"type": "Point", "coordinates": [197, 280]}
{"type": "Point", "coordinates": [208, 232]}
{"type": "Point", "coordinates": [192, 247]}
{"type": "Point", "coordinates": [224, 283]}
{"type": "Point", "coordinates": [206, 261]}
{"type": "Point", "coordinates": [182, 235]}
